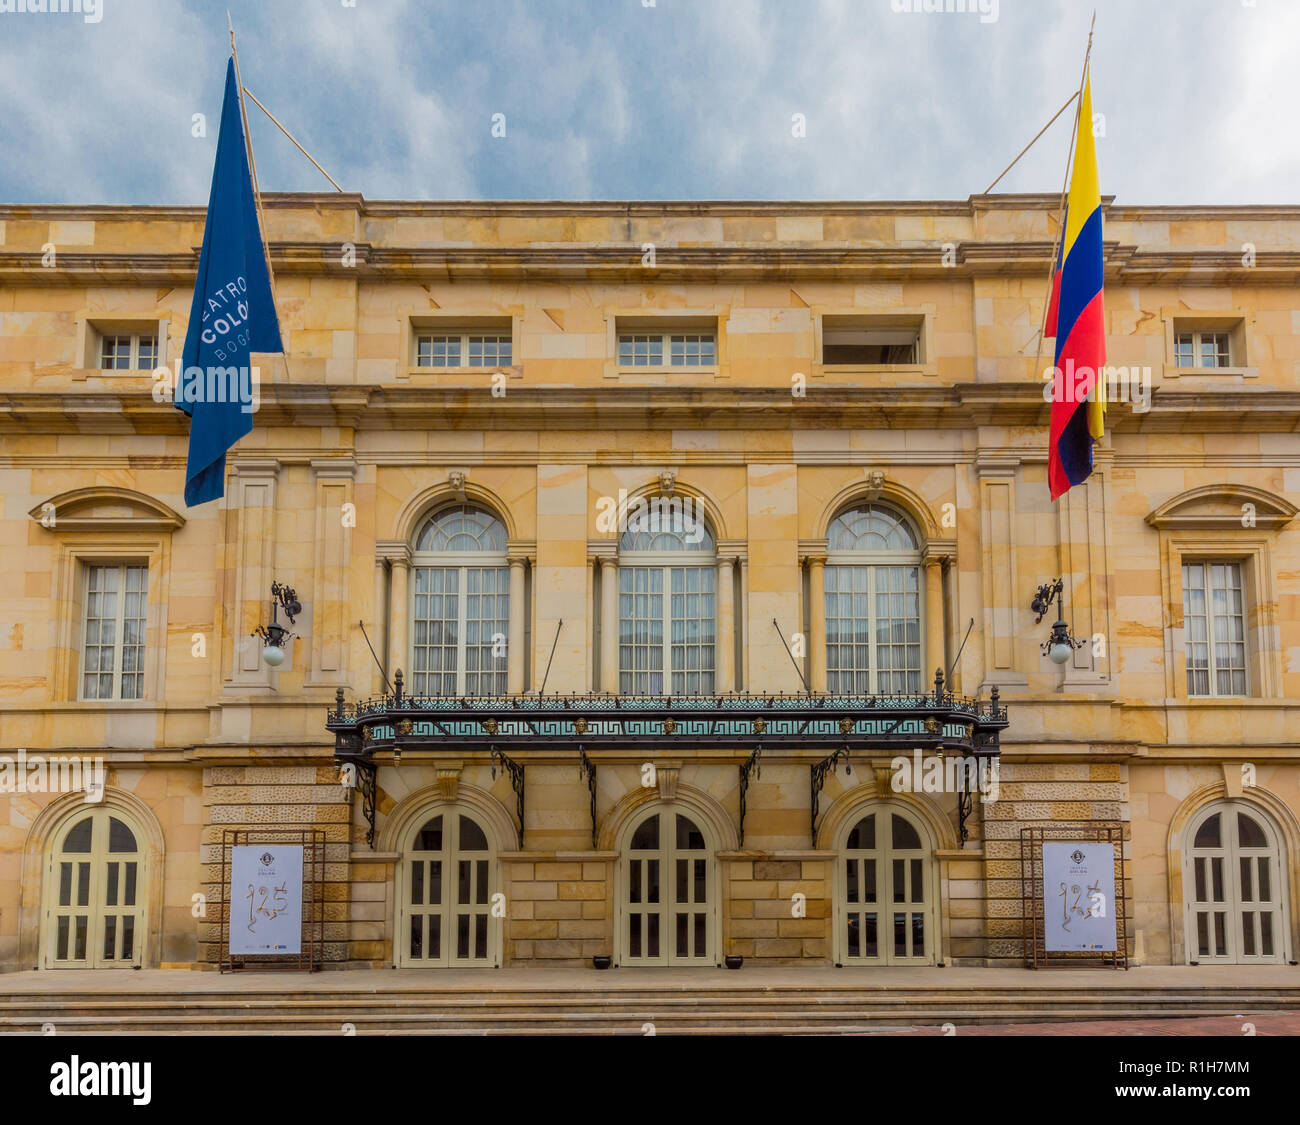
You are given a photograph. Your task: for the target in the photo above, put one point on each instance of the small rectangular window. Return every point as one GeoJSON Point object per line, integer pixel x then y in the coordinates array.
{"type": "Point", "coordinates": [1203, 349]}
{"type": "Point", "coordinates": [667, 349]}
{"type": "Point", "coordinates": [469, 349]}
{"type": "Point", "coordinates": [1214, 628]}
{"type": "Point", "coordinates": [128, 352]}
{"type": "Point", "coordinates": [113, 632]}
{"type": "Point", "coordinates": [867, 346]}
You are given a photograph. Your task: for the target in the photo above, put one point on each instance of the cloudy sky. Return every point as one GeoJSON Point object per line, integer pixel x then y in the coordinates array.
{"type": "Point", "coordinates": [653, 99]}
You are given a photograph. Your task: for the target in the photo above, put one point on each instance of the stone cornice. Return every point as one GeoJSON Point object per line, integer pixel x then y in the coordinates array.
{"type": "Point", "coordinates": [720, 262]}
{"type": "Point", "coordinates": [948, 407]}
{"type": "Point", "coordinates": [381, 208]}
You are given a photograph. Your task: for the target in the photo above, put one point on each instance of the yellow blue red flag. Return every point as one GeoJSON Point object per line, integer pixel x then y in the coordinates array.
{"type": "Point", "coordinates": [1077, 315]}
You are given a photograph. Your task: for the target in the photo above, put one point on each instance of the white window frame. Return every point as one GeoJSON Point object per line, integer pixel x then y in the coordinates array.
{"type": "Point", "coordinates": [1212, 667]}
{"type": "Point", "coordinates": [873, 562]}
{"type": "Point", "coordinates": [664, 337]}
{"type": "Point", "coordinates": [97, 331]}
{"type": "Point", "coordinates": [463, 338]}
{"type": "Point", "coordinates": [462, 562]}
{"type": "Point", "coordinates": [1198, 338]}
{"type": "Point", "coordinates": [666, 562]}
{"type": "Point", "coordinates": [119, 641]}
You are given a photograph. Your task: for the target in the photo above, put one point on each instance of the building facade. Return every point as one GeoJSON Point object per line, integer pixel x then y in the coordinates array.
{"type": "Point", "coordinates": [779, 458]}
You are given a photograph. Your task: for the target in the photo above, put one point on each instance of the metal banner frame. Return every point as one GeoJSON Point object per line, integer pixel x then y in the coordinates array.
{"type": "Point", "coordinates": [1032, 899]}
{"type": "Point", "coordinates": [308, 957]}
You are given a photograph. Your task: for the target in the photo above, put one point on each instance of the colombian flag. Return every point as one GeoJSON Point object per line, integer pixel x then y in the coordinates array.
{"type": "Point", "coordinates": [1076, 319]}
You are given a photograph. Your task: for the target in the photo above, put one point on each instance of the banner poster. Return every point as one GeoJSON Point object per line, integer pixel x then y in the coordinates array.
{"type": "Point", "coordinates": [266, 898]}
{"type": "Point", "coordinates": [1079, 897]}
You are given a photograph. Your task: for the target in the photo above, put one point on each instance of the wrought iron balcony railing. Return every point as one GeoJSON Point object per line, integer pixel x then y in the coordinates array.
{"type": "Point", "coordinates": [840, 726]}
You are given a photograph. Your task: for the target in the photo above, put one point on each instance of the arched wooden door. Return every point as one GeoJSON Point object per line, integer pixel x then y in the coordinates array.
{"type": "Point", "coordinates": [885, 900]}
{"type": "Point", "coordinates": [446, 913]}
{"type": "Point", "coordinates": [1234, 883]}
{"type": "Point", "coordinates": [94, 890]}
{"type": "Point", "coordinates": [668, 904]}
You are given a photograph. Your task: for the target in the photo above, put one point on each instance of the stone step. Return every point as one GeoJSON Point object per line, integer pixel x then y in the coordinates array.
{"type": "Point", "coordinates": [827, 1010]}
{"type": "Point", "coordinates": [630, 1023]}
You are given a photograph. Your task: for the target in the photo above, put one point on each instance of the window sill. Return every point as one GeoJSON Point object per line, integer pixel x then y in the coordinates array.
{"type": "Point", "coordinates": [1172, 372]}
{"type": "Point", "coordinates": [662, 369]}
{"type": "Point", "coordinates": [875, 369]}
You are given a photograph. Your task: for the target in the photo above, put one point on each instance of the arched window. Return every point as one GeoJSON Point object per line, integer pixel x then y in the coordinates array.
{"type": "Point", "coordinates": [1234, 884]}
{"type": "Point", "coordinates": [873, 603]}
{"type": "Point", "coordinates": [95, 889]}
{"type": "Point", "coordinates": [460, 604]}
{"type": "Point", "coordinates": [667, 606]}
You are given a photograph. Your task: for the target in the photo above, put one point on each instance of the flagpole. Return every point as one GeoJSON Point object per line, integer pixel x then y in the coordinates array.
{"type": "Point", "coordinates": [1065, 189]}
{"type": "Point", "coordinates": [252, 171]}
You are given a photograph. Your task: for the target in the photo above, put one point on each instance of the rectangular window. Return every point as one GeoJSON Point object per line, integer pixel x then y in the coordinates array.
{"type": "Point", "coordinates": [1203, 349]}
{"type": "Point", "coordinates": [873, 630]}
{"type": "Point", "coordinates": [1214, 628]}
{"type": "Point", "coordinates": [683, 349]}
{"type": "Point", "coordinates": [460, 622]}
{"type": "Point", "coordinates": [128, 352]}
{"type": "Point", "coordinates": [865, 345]}
{"type": "Point", "coordinates": [687, 618]}
{"type": "Point", "coordinates": [469, 349]}
{"type": "Point", "coordinates": [112, 633]}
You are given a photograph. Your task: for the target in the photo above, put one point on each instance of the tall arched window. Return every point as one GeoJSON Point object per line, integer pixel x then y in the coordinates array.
{"type": "Point", "coordinates": [667, 607]}
{"type": "Point", "coordinates": [873, 603]}
{"type": "Point", "coordinates": [460, 604]}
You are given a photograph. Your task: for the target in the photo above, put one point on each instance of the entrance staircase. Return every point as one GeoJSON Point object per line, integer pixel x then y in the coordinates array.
{"type": "Point", "coordinates": [621, 1002]}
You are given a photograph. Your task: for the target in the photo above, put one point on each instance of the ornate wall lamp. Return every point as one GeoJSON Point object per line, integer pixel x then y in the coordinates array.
{"type": "Point", "coordinates": [274, 635]}
{"type": "Point", "coordinates": [1059, 644]}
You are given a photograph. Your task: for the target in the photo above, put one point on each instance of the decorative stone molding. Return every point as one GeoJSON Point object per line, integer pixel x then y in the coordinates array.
{"type": "Point", "coordinates": [104, 508]}
{"type": "Point", "coordinates": [667, 777]}
{"type": "Point", "coordinates": [449, 783]}
{"type": "Point", "coordinates": [1223, 507]}
{"type": "Point", "coordinates": [456, 479]}
{"type": "Point", "coordinates": [667, 482]}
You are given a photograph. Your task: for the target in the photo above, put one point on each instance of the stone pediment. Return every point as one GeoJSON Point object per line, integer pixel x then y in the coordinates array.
{"type": "Point", "coordinates": [1225, 507]}
{"type": "Point", "coordinates": [105, 508]}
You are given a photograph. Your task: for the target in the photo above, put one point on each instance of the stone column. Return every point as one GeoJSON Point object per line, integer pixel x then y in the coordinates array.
{"type": "Point", "coordinates": [744, 622]}
{"type": "Point", "coordinates": [515, 640]}
{"type": "Point", "coordinates": [379, 615]}
{"type": "Point", "coordinates": [817, 621]}
{"type": "Point", "coordinates": [724, 648]}
{"type": "Point", "coordinates": [934, 654]}
{"type": "Point", "coordinates": [609, 624]}
{"type": "Point", "coordinates": [399, 616]}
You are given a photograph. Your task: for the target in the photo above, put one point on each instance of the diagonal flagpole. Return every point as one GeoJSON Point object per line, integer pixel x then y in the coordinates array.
{"type": "Point", "coordinates": [1065, 191]}
{"type": "Point", "coordinates": [257, 190]}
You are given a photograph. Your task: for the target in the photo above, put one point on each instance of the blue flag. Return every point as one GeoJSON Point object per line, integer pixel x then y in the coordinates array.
{"type": "Point", "coordinates": [233, 315]}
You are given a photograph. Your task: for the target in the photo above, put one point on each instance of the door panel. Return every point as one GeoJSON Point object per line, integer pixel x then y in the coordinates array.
{"type": "Point", "coordinates": [886, 909]}
{"type": "Point", "coordinates": [1234, 887]}
{"type": "Point", "coordinates": [446, 917]}
{"type": "Point", "coordinates": [668, 897]}
{"type": "Point", "coordinates": [94, 895]}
